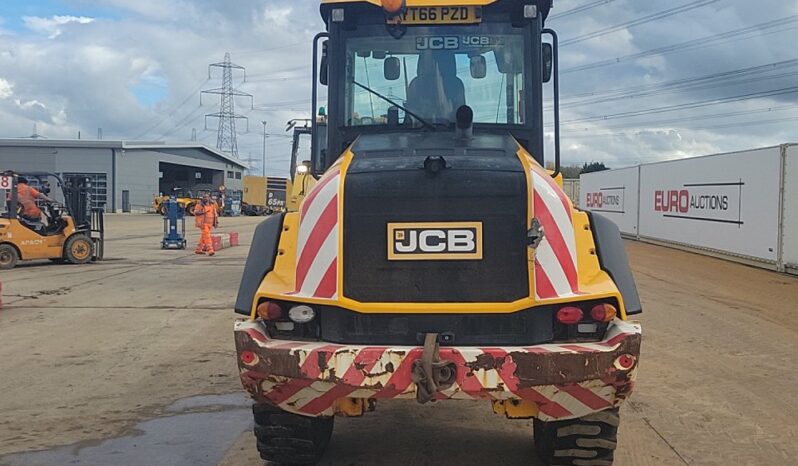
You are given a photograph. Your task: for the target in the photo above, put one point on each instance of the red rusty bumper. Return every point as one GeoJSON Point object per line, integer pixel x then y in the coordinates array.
{"type": "Point", "coordinates": [564, 380]}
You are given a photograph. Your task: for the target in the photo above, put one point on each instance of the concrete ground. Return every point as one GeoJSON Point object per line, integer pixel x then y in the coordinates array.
{"type": "Point", "coordinates": [131, 361]}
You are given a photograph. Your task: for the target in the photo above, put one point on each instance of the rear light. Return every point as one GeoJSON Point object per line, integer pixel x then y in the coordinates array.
{"type": "Point", "coordinates": [249, 358]}
{"type": "Point", "coordinates": [268, 310]}
{"type": "Point", "coordinates": [569, 315]}
{"type": "Point", "coordinates": [625, 362]}
{"type": "Point", "coordinates": [301, 314]}
{"type": "Point", "coordinates": [603, 312]}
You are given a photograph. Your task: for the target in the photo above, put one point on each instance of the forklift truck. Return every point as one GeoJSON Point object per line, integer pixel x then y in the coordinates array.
{"type": "Point", "coordinates": [74, 233]}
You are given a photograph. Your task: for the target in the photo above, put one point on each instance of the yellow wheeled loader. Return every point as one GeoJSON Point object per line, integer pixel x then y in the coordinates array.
{"type": "Point", "coordinates": [434, 257]}
{"type": "Point", "coordinates": [302, 181]}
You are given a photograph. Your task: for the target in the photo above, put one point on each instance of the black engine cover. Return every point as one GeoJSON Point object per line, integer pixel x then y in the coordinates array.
{"type": "Point", "coordinates": [386, 182]}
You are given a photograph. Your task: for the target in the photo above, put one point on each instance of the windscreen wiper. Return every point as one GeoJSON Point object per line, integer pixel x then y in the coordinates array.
{"type": "Point", "coordinates": [401, 107]}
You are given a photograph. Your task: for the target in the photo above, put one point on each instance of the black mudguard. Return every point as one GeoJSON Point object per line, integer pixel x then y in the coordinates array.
{"type": "Point", "coordinates": [260, 261]}
{"type": "Point", "coordinates": [613, 260]}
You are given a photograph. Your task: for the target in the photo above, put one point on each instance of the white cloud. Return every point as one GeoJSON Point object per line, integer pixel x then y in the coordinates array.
{"type": "Point", "coordinates": [278, 16]}
{"type": "Point", "coordinates": [53, 26]}
{"type": "Point", "coordinates": [6, 89]}
{"type": "Point", "coordinates": [89, 76]}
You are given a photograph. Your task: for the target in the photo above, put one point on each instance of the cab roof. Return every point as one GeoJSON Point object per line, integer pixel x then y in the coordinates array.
{"type": "Point", "coordinates": [419, 2]}
{"type": "Point", "coordinates": [543, 5]}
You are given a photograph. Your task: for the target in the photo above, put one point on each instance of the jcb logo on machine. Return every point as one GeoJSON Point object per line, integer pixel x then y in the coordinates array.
{"type": "Point", "coordinates": [435, 241]}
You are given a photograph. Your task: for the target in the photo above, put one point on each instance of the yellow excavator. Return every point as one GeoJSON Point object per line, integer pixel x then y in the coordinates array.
{"type": "Point", "coordinates": [73, 232]}
{"type": "Point", "coordinates": [434, 257]}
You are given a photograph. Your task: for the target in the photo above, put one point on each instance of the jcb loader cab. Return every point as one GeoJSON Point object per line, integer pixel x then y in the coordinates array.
{"type": "Point", "coordinates": [70, 231]}
{"type": "Point", "coordinates": [435, 258]}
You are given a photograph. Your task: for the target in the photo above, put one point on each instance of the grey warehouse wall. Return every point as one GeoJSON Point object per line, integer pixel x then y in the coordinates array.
{"type": "Point", "coordinates": [136, 170]}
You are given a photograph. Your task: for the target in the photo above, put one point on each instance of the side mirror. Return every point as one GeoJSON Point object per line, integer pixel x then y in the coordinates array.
{"type": "Point", "coordinates": [479, 68]}
{"type": "Point", "coordinates": [391, 68]}
{"type": "Point", "coordinates": [547, 62]}
{"type": "Point", "coordinates": [324, 68]}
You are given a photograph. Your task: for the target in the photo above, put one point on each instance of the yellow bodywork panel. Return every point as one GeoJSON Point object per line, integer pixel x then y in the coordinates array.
{"type": "Point", "coordinates": [32, 245]}
{"type": "Point", "coordinates": [352, 407]}
{"type": "Point", "coordinates": [515, 409]}
{"type": "Point", "coordinates": [291, 202]}
{"type": "Point", "coordinates": [297, 189]}
{"type": "Point", "coordinates": [593, 282]}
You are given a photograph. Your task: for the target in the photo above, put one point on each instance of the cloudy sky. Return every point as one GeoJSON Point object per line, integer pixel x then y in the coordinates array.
{"type": "Point", "coordinates": [642, 81]}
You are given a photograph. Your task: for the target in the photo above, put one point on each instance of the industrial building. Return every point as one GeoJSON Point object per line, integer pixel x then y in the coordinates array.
{"type": "Point", "coordinates": [126, 175]}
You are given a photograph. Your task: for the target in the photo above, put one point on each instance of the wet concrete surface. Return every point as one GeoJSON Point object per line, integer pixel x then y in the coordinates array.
{"type": "Point", "coordinates": [93, 357]}
{"type": "Point", "coordinates": [198, 433]}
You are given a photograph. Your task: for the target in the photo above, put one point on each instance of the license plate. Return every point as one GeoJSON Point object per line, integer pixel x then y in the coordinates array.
{"type": "Point", "coordinates": [439, 15]}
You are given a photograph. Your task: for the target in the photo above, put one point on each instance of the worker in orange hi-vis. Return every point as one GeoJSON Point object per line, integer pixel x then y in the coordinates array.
{"type": "Point", "coordinates": [206, 219]}
{"type": "Point", "coordinates": [27, 196]}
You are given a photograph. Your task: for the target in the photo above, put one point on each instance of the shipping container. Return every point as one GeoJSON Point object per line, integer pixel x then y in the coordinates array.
{"type": "Point", "coordinates": [727, 203]}
{"type": "Point", "coordinates": [740, 205]}
{"type": "Point", "coordinates": [613, 193]}
{"type": "Point", "coordinates": [789, 236]}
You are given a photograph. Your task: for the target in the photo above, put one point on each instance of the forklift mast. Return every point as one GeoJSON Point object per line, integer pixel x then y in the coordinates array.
{"type": "Point", "coordinates": [77, 197]}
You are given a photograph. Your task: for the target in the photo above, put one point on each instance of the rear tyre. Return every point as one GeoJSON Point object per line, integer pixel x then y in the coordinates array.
{"type": "Point", "coordinates": [587, 441]}
{"type": "Point", "coordinates": [78, 249]}
{"type": "Point", "coordinates": [289, 439]}
{"type": "Point", "coordinates": [189, 209]}
{"type": "Point", "coordinates": [8, 256]}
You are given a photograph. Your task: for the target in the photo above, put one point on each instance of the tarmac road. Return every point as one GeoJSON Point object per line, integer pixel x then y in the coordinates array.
{"type": "Point", "coordinates": [131, 361]}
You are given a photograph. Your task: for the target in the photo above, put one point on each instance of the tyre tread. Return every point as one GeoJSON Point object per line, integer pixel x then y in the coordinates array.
{"type": "Point", "coordinates": [289, 439]}
{"type": "Point", "coordinates": [590, 440]}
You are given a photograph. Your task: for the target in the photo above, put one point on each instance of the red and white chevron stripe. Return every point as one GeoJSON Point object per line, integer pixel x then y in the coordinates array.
{"type": "Point", "coordinates": [555, 258]}
{"type": "Point", "coordinates": [330, 372]}
{"type": "Point", "coordinates": [317, 240]}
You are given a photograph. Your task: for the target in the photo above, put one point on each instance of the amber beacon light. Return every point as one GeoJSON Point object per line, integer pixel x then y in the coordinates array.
{"type": "Point", "coordinates": [394, 7]}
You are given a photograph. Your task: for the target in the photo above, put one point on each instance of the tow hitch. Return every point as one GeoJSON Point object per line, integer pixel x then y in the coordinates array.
{"type": "Point", "coordinates": [430, 374]}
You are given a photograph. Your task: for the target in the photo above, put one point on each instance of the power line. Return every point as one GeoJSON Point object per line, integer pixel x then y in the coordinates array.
{"type": "Point", "coordinates": [749, 123]}
{"type": "Point", "coordinates": [729, 78]}
{"type": "Point", "coordinates": [252, 51]}
{"type": "Point", "coordinates": [737, 34]}
{"type": "Point", "coordinates": [679, 82]}
{"type": "Point", "coordinates": [189, 118]}
{"type": "Point", "coordinates": [281, 71]}
{"type": "Point", "coordinates": [720, 126]}
{"type": "Point", "coordinates": [687, 106]}
{"type": "Point", "coordinates": [712, 116]}
{"type": "Point", "coordinates": [174, 109]}
{"type": "Point", "coordinates": [580, 9]}
{"type": "Point", "coordinates": [636, 22]}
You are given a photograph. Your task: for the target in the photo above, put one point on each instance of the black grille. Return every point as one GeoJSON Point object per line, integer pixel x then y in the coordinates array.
{"type": "Point", "coordinates": [488, 189]}
{"type": "Point", "coordinates": [529, 327]}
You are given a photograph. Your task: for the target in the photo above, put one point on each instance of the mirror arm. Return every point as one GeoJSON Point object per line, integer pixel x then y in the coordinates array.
{"type": "Point", "coordinates": [556, 76]}
{"type": "Point", "coordinates": [314, 102]}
